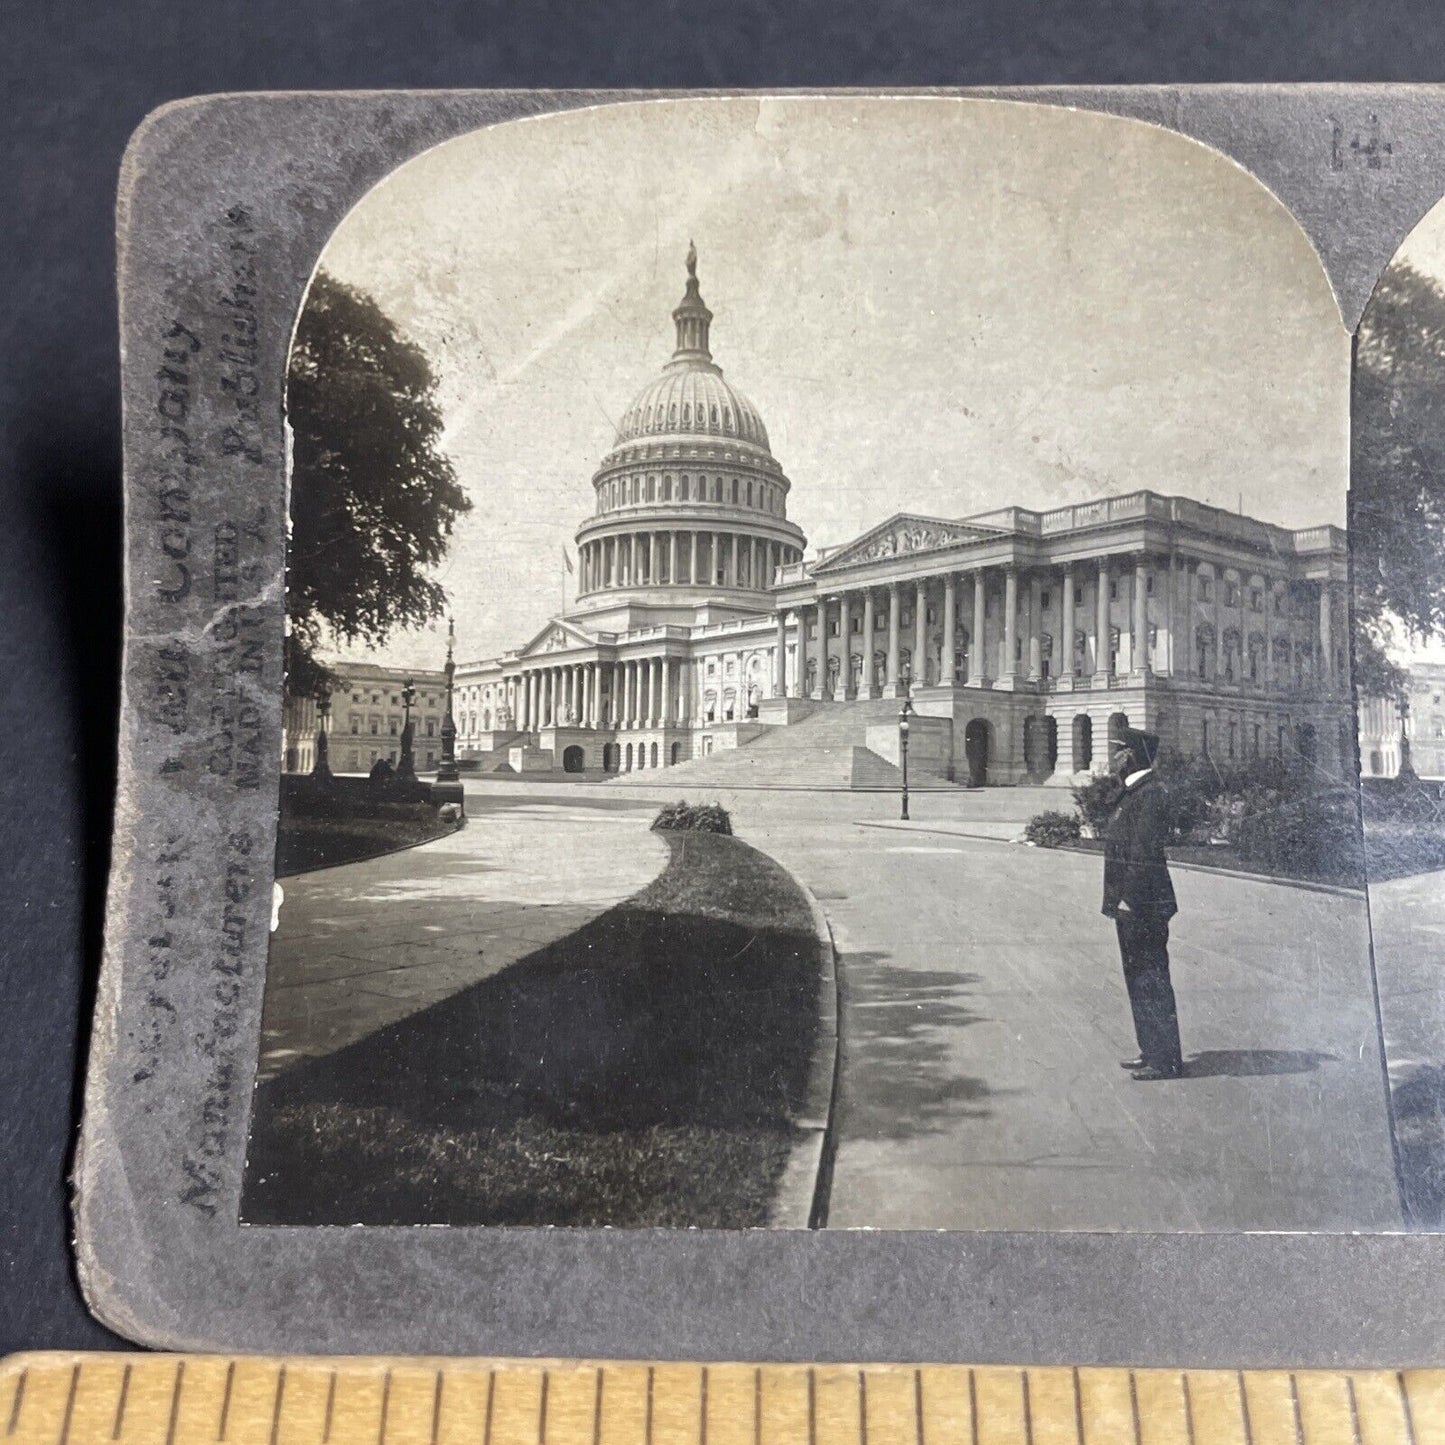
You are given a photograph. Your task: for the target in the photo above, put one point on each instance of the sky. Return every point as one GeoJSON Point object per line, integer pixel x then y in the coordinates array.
{"type": "Point", "coordinates": [937, 305]}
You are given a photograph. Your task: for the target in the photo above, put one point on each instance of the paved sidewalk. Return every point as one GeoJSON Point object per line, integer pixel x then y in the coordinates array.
{"type": "Point", "coordinates": [364, 945]}
{"type": "Point", "coordinates": [984, 1015]}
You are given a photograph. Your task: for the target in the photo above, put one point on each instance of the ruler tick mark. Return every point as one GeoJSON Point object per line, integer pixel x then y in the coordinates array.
{"type": "Point", "coordinates": [1244, 1409]}
{"type": "Point", "coordinates": [16, 1403]}
{"type": "Point", "coordinates": [1188, 1407]}
{"type": "Point", "coordinates": [542, 1410]}
{"type": "Point", "coordinates": [918, 1407]}
{"type": "Point", "coordinates": [862, 1408]}
{"type": "Point", "coordinates": [1029, 1407]}
{"type": "Point", "coordinates": [597, 1410]}
{"type": "Point", "coordinates": [69, 1405]}
{"type": "Point", "coordinates": [1299, 1427]}
{"type": "Point", "coordinates": [330, 1408]}
{"type": "Point", "coordinates": [1078, 1407]}
{"type": "Point", "coordinates": [812, 1406]}
{"type": "Point", "coordinates": [176, 1402]}
{"type": "Point", "coordinates": [119, 1423]}
{"type": "Point", "coordinates": [226, 1401]}
{"type": "Point", "coordinates": [1354, 1410]}
{"type": "Point", "coordinates": [276, 1404]}
{"type": "Point", "coordinates": [647, 1432]}
{"type": "Point", "coordinates": [436, 1410]}
{"type": "Point", "coordinates": [758, 1405]}
{"type": "Point", "coordinates": [491, 1396]}
{"type": "Point", "coordinates": [1134, 1408]}
{"type": "Point", "coordinates": [1405, 1406]}
{"type": "Point", "coordinates": [973, 1407]}
{"type": "Point", "coordinates": [385, 1408]}
{"type": "Point", "coordinates": [702, 1408]}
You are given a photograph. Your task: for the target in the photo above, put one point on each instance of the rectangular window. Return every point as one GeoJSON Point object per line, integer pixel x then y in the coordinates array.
{"type": "Point", "coordinates": [1205, 589]}
{"type": "Point", "coordinates": [1149, 585]}
{"type": "Point", "coordinates": [355, 723]}
{"type": "Point", "coordinates": [1045, 598]}
{"type": "Point", "coordinates": [1113, 591]}
{"type": "Point", "coordinates": [1078, 596]}
{"type": "Point", "coordinates": [833, 627]}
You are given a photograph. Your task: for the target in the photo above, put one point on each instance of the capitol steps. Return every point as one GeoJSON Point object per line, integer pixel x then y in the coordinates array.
{"type": "Point", "coordinates": [827, 749]}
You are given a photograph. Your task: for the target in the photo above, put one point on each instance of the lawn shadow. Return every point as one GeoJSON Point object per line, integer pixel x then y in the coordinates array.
{"type": "Point", "coordinates": [1254, 1063]}
{"type": "Point", "coordinates": [897, 1024]}
{"type": "Point", "coordinates": [643, 1069]}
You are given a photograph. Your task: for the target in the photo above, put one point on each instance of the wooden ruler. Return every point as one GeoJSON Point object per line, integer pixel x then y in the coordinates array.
{"type": "Point", "coordinates": [176, 1400]}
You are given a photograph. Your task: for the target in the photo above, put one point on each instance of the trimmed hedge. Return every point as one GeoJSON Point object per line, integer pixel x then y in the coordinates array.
{"type": "Point", "coordinates": [683, 817]}
{"type": "Point", "coordinates": [1053, 829]}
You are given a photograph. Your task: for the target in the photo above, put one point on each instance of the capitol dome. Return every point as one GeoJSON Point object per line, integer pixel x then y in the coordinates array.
{"type": "Point", "coordinates": [690, 495]}
{"type": "Point", "coordinates": [693, 400]}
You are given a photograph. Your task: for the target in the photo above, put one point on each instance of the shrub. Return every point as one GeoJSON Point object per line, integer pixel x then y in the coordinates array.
{"type": "Point", "coordinates": [683, 817]}
{"type": "Point", "coordinates": [1052, 829]}
{"type": "Point", "coordinates": [1095, 800]}
{"type": "Point", "coordinates": [1317, 835]}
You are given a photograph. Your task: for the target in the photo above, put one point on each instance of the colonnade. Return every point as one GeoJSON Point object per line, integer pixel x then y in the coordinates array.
{"type": "Point", "coordinates": [639, 559]}
{"type": "Point", "coordinates": [1157, 629]}
{"type": "Point", "coordinates": [642, 692]}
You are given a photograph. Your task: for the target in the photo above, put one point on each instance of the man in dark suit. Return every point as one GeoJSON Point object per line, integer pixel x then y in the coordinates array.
{"type": "Point", "coordinates": [1139, 897]}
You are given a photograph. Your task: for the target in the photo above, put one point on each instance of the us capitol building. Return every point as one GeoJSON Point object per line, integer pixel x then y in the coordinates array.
{"type": "Point", "coordinates": [700, 628]}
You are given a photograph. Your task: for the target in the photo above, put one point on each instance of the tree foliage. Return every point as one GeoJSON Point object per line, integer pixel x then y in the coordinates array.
{"type": "Point", "coordinates": [373, 498]}
{"type": "Point", "coordinates": [1397, 486]}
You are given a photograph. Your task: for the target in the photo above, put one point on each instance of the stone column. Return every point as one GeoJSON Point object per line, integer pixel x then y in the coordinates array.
{"type": "Point", "coordinates": [521, 716]}
{"type": "Point", "coordinates": [1327, 639]}
{"type": "Point", "coordinates": [659, 702]}
{"type": "Point", "coordinates": [920, 633]}
{"type": "Point", "coordinates": [950, 604]}
{"type": "Point", "coordinates": [1141, 660]}
{"type": "Point", "coordinates": [1010, 666]}
{"type": "Point", "coordinates": [780, 655]}
{"type": "Point", "coordinates": [1036, 631]}
{"type": "Point", "coordinates": [869, 669]}
{"type": "Point", "coordinates": [823, 647]}
{"type": "Point", "coordinates": [1219, 623]}
{"type": "Point", "coordinates": [1191, 598]}
{"type": "Point", "coordinates": [1064, 649]}
{"type": "Point", "coordinates": [654, 575]}
{"type": "Point", "coordinates": [978, 651]}
{"type": "Point", "coordinates": [672, 558]}
{"type": "Point", "coordinates": [895, 613]}
{"type": "Point", "coordinates": [800, 661]}
{"type": "Point", "coordinates": [1101, 623]}
{"type": "Point", "coordinates": [692, 558]}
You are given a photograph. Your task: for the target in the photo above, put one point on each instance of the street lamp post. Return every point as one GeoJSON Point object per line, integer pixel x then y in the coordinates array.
{"type": "Point", "coordinates": [903, 715]}
{"type": "Point", "coordinates": [447, 772]}
{"type": "Point", "coordinates": [407, 769]}
{"type": "Point", "coordinates": [1407, 768]}
{"type": "Point", "coordinates": [321, 771]}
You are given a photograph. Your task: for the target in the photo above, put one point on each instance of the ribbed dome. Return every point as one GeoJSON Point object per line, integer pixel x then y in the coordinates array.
{"type": "Point", "coordinates": [691, 398]}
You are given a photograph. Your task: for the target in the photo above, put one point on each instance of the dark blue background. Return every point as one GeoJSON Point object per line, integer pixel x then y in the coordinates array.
{"type": "Point", "coordinates": [77, 77]}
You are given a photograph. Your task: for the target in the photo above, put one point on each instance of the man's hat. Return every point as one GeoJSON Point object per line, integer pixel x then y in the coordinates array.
{"type": "Point", "coordinates": [1143, 747]}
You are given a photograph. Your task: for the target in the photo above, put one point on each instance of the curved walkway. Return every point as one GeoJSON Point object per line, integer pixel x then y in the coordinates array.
{"type": "Point", "coordinates": [364, 945]}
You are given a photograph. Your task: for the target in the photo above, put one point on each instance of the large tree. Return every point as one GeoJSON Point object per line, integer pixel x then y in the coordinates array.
{"type": "Point", "coordinates": [1397, 473]}
{"type": "Point", "coordinates": [373, 498]}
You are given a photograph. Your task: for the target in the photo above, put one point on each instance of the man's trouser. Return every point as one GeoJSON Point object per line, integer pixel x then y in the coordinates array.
{"type": "Point", "coordinates": [1144, 948]}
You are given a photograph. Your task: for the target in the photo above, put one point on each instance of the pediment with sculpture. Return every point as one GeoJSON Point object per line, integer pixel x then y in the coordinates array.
{"type": "Point", "coordinates": [557, 636]}
{"type": "Point", "coordinates": [901, 536]}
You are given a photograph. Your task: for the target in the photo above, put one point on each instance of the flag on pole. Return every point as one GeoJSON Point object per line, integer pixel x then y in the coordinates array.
{"type": "Point", "coordinates": [567, 562]}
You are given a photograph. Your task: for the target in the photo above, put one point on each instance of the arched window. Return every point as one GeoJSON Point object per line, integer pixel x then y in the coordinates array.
{"type": "Point", "coordinates": [654, 755]}
{"type": "Point", "coordinates": [629, 758]}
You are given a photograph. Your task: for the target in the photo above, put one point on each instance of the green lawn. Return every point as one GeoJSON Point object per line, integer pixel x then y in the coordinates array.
{"type": "Point", "coordinates": [643, 1071]}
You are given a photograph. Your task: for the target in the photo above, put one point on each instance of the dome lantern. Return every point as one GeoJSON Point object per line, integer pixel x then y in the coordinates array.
{"type": "Point", "coordinates": [692, 318]}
